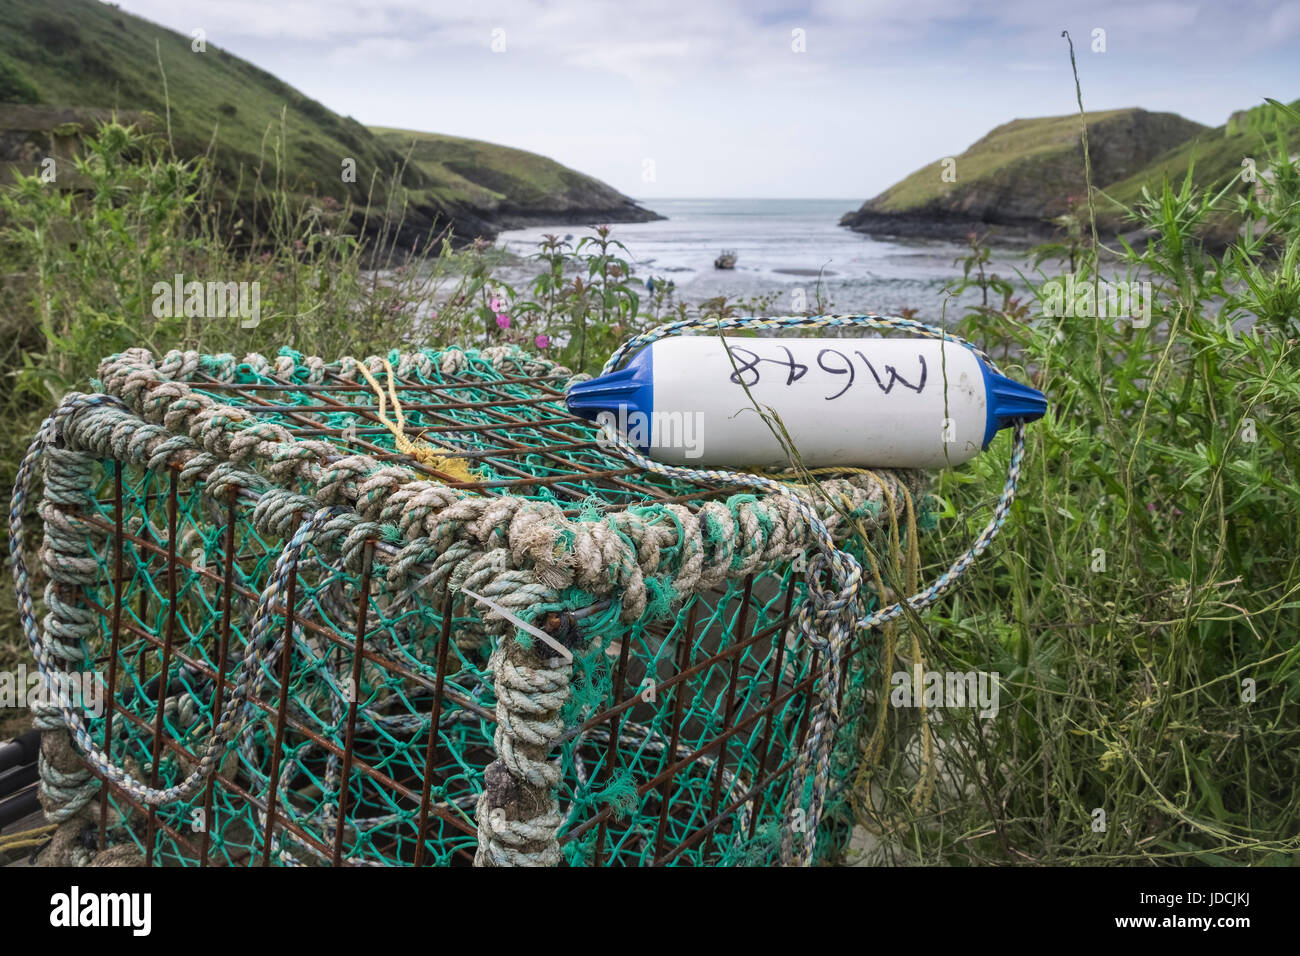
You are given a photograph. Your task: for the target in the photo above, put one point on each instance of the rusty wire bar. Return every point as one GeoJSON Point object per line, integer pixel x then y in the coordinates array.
{"type": "Point", "coordinates": [778, 645]}
{"type": "Point", "coordinates": [119, 583]}
{"type": "Point", "coordinates": [685, 642]}
{"type": "Point", "coordinates": [611, 751]}
{"type": "Point", "coordinates": [729, 711]}
{"type": "Point", "coordinates": [354, 692]}
{"type": "Point", "coordinates": [223, 658]}
{"type": "Point", "coordinates": [282, 710]}
{"type": "Point", "coordinates": [173, 494]}
{"type": "Point", "coordinates": [431, 748]}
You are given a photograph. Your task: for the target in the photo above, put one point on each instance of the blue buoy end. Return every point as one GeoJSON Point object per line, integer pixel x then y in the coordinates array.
{"type": "Point", "coordinates": [625, 392]}
{"type": "Point", "coordinates": [1009, 402]}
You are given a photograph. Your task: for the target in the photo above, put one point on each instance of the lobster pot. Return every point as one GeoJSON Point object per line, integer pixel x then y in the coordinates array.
{"type": "Point", "coordinates": [288, 576]}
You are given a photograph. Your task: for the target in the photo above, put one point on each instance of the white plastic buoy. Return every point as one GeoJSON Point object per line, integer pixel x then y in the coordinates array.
{"type": "Point", "coordinates": [886, 403]}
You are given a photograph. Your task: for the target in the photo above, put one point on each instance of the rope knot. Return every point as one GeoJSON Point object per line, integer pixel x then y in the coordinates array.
{"type": "Point", "coordinates": [845, 574]}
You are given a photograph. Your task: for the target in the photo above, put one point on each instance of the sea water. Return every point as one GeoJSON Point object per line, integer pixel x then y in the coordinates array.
{"type": "Point", "coordinates": [792, 249]}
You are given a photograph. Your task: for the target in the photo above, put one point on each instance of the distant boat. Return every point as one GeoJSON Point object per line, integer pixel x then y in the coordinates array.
{"type": "Point", "coordinates": [725, 261]}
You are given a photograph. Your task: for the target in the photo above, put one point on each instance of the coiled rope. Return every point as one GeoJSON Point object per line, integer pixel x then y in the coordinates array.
{"type": "Point", "coordinates": [832, 614]}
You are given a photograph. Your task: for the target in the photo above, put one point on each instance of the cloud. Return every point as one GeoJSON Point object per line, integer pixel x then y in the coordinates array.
{"type": "Point", "coordinates": [367, 50]}
{"type": "Point", "coordinates": [640, 62]}
{"type": "Point", "coordinates": [1283, 25]}
{"type": "Point", "coordinates": [293, 20]}
{"type": "Point", "coordinates": [581, 80]}
{"type": "Point", "coordinates": [603, 36]}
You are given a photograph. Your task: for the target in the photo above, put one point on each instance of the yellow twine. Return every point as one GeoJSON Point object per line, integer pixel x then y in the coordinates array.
{"type": "Point", "coordinates": [871, 752]}
{"type": "Point", "coordinates": [421, 451]}
{"type": "Point", "coordinates": [25, 838]}
{"type": "Point", "coordinates": [23, 844]}
{"type": "Point", "coordinates": [781, 475]}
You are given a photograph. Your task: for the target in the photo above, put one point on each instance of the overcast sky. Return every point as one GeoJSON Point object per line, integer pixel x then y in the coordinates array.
{"type": "Point", "coordinates": [699, 98]}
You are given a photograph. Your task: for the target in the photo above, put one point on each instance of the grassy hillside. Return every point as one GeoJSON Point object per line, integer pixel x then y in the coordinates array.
{"type": "Point", "coordinates": [62, 53]}
{"type": "Point", "coordinates": [1023, 172]}
{"type": "Point", "coordinates": [513, 184]}
{"type": "Point", "coordinates": [1217, 153]}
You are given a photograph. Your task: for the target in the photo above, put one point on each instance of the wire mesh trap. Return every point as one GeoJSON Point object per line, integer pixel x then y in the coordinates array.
{"type": "Point", "coordinates": [296, 582]}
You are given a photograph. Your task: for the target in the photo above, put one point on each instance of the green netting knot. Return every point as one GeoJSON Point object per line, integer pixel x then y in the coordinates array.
{"type": "Point", "coordinates": [868, 509]}
{"type": "Point", "coordinates": [713, 531]}
{"type": "Point", "coordinates": [620, 794]}
{"type": "Point", "coordinates": [218, 366]}
{"type": "Point", "coordinates": [581, 851]}
{"type": "Point", "coordinates": [927, 516]}
{"type": "Point", "coordinates": [762, 849]}
{"type": "Point", "coordinates": [588, 684]}
{"type": "Point", "coordinates": [299, 369]}
{"type": "Point", "coordinates": [592, 509]}
{"type": "Point", "coordinates": [661, 598]}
